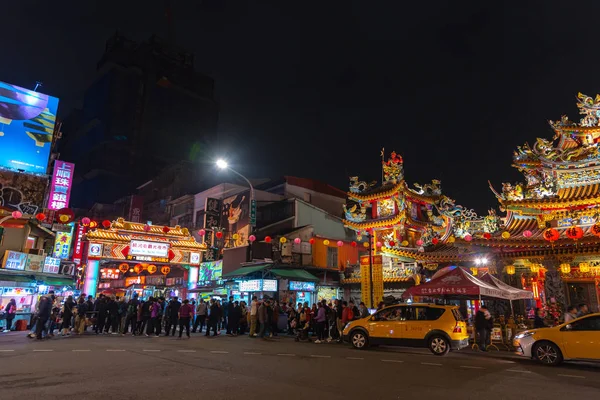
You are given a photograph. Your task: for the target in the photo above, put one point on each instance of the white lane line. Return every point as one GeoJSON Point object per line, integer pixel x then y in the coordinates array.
{"type": "Point", "coordinates": [219, 352]}
{"type": "Point", "coordinates": [151, 350]}
{"type": "Point", "coordinates": [113, 350]}
{"type": "Point", "coordinates": [319, 356]}
{"type": "Point", "coordinates": [251, 353]}
{"type": "Point", "coordinates": [186, 351]}
{"type": "Point", "coordinates": [354, 358]}
{"type": "Point", "coordinates": [470, 367]}
{"type": "Point", "coordinates": [286, 354]}
{"type": "Point", "coordinates": [394, 361]}
{"type": "Point", "coordinates": [436, 364]}
{"type": "Point", "coordinates": [521, 371]}
{"type": "Point", "coordinates": [572, 376]}
{"type": "Point", "coordinates": [5, 351]}
{"type": "Point", "coordinates": [506, 361]}
{"type": "Point", "coordinates": [44, 350]}
{"type": "Point", "coordinates": [80, 351]}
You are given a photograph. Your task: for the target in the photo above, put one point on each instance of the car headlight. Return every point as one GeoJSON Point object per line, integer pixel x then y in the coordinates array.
{"type": "Point", "coordinates": [524, 335]}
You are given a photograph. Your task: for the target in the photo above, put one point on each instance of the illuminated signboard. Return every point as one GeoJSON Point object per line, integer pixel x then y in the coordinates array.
{"type": "Point", "coordinates": [60, 187]}
{"type": "Point", "coordinates": [78, 247]}
{"type": "Point", "coordinates": [95, 250]}
{"type": "Point", "coordinates": [258, 285]}
{"type": "Point", "coordinates": [34, 263]}
{"type": "Point", "coordinates": [195, 258]}
{"type": "Point", "coordinates": [27, 121]}
{"type": "Point", "coordinates": [14, 260]}
{"type": "Point", "coordinates": [210, 273]}
{"type": "Point", "coordinates": [148, 249]}
{"type": "Point", "coordinates": [17, 291]}
{"type": "Point", "coordinates": [109, 273]}
{"type": "Point", "coordinates": [302, 286]}
{"type": "Point", "coordinates": [51, 265]}
{"type": "Point", "coordinates": [135, 280]}
{"type": "Point", "coordinates": [62, 245]}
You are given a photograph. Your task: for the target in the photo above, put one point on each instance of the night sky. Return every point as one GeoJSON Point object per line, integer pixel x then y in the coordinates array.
{"type": "Point", "coordinates": [317, 88]}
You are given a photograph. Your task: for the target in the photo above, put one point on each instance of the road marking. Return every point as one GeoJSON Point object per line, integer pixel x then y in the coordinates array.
{"type": "Point", "coordinates": [82, 350]}
{"type": "Point", "coordinates": [286, 355]}
{"type": "Point", "coordinates": [5, 351]}
{"type": "Point", "coordinates": [150, 350]}
{"type": "Point", "coordinates": [436, 364]}
{"type": "Point", "coordinates": [521, 371]}
{"type": "Point", "coordinates": [470, 367]}
{"type": "Point", "coordinates": [252, 353]}
{"type": "Point", "coordinates": [113, 350]}
{"type": "Point", "coordinates": [186, 351]}
{"type": "Point", "coordinates": [319, 356]}
{"type": "Point", "coordinates": [43, 350]}
{"type": "Point", "coordinates": [394, 361]}
{"type": "Point", "coordinates": [354, 358]}
{"type": "Point", "coordinates": [572, 376]}
{"type": "Point", "coordinates": [219, 352]}
{"type": "Point", "coordinates": [506, 361]}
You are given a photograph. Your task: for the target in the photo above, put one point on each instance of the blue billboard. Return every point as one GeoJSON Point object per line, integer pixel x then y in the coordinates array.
{"type": "Point", "coordinates": [27, 121]}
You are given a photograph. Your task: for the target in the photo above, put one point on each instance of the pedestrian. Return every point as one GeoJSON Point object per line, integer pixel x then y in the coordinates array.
{"type": "Point", "coordinates": [320, 319]}
{"type": "Point", "coordinates": [112, 308]}
{"type": "Point", "coordinates": [235, 314]}
{"type": "Point", "coordinates": [243, 318]}
{"type": "Point", "coordinates": [213, 318]}
{"type": "Point", "coordinates": [347, 314]}
{"type": "Point", "coordinates": [201, 312]}
{"type": "Point", "coordinates": [228, 310]}
{"type": "Point", "coordinates": [174, 306]}
{"type": "Point", "coordinates": [122, 313]}
{"type": "Point", "coordinates": [43, 316]}
{"type": "Point", "coordinates": [153, 310]}
{"type": "Point", "coordinates": [483, 326]}
{"type": "Point", "coordinates": [11, 313]}
{"type": "Point", "coordinates": [538, 320]}
{"type": "Point", "coordinates": [253, 316]}
{"type": "Point", "coordinates": [276, 309]}
{"type": "Point", "coordinates": [582, 310]}
{"type": "Point", "coordinates": [263, 318]}
{"type": "Point", "coordinates": [100, 309]}
{"type": "Point", "coordinates": [185, 317]}
{"type": "Point", "coordinates": [339, 310]}
{"type": "Point", "coordinates": [571, 313]}
{"type": "Point", "coordinates": [67, 315]}
{"type": "Point", "coordinates": [159, 316]}
{"type": "Point", "coordinates": [291, 318]}
{"type": "Point", "coordinates": [131, 318]}
{"type": "Point", "coordinates": [363, 311]}
{"type": "Point", "coordinates": [355, 310]}
{"type": "Point", "coordinates": [81, 316]}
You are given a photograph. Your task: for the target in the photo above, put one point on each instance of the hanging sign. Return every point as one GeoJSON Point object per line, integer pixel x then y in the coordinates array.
{"type": "Point", "coordinates": [60, 188]}
{"type": "Point", "coordinates": [51, 265]}
{"type": "Point", "coordinates": [148, 249]}
{"type": "Point", "coordinates": [14, 260]}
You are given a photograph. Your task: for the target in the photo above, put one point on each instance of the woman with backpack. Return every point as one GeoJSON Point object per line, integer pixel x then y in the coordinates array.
{"type": "Point", "coordinates": [11, 313]}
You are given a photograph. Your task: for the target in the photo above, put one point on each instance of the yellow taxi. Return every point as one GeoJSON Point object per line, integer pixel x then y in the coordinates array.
{"type": "Point", "coordinates": [439, 328]}
{"type": "Point", "coordinates": [578, 339]}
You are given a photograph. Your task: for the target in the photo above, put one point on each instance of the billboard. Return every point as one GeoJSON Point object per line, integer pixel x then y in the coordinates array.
{"type": "Point", "coordinates": [235, 218]}
{"type": "Point", "coordinates": [62, 245]}
{"type": "Point", "coordinates": [21, 192]}
{"type": "Point", "coordinates": [27, 121]}
{"type": "Point", "coordinates": [60, 187]}
{"type": "Point", "coordinates": [209, 273]}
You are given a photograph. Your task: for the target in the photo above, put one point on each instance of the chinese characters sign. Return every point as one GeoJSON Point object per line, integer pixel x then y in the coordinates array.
{"type": "Point", "coordinates": [78, 248]}
{"type": "Point", "coordinates": [62, 245]}
{"type": "Point", "coordinates": [151, 249]}
{"type": "Point", "coordinates": [14, 260]}
{"type": "Point", "coordinates": [60, 187]}
{"type": "Point", "coordinates": [51, 265]}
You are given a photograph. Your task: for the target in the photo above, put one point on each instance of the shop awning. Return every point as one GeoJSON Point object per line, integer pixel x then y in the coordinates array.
{"type": "Point", "coordinates": [294, 274]}
{"type": "Point", "coordinates": [58, 281]}
{"type": "Point", "coordinates": [515, 293]}
{"type": "Point", "coordinates": [244, 271]}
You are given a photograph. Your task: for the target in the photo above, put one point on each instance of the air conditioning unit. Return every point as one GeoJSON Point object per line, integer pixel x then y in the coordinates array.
{"type": "Point", "coordinates": [37, 252]}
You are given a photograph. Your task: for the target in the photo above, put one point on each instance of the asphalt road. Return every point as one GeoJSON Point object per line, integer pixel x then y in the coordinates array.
{"type": "Point", "coordinates": [115, 367]}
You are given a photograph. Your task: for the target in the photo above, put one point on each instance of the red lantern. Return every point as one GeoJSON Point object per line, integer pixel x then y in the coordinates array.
{"type": "Point", "coordinates": [268, 239]}
{"type": "Point", "coordinates": [487, 236]}
{"type": "Point", "coordinates": [392, 243]}
{"type": "Point", "coordinates": [551, 235]}
{"type": "Point", "coordinates": [340, 243]}
{"type": "Point", "coordinates": [40, 217]}
{"type": "Point", "coordinates": [435, 240]}
{"type": "Point", "coordinates": [574, 233]}
{"type": "Point", "coordinates": [596, 229]}
{"type": "Point", "coordinates": [353, 244]}
{"type": "Point", "coordinates": [201, 232]}
{"type": "Point", "coordinates": [165, 270]}
{"type": "Point", "coordinates": [219, 234]}
{"type": "Point", "coordinates": [166, 229]}
{"type": "Point", "coordinates": [138, 268]}
{"type": "Point", "coordinates": [251, 238]}
{"type": "Point", "coordinates": [106, 223]}
{"type": "Point", "coordinates": [64, 215]}
{"type": "Point", "coordinates": [527, 234]}
{"type": "Point", "coordinates": [147, 228]}
{"type": "Point", "coordinates": [123, 267]}
{"type": "Point", "coordinates": [311, 241]}
{"type": "Point", "coordinates": [85, 221]}
{"type": "Point", "coordinates": [93, 224]}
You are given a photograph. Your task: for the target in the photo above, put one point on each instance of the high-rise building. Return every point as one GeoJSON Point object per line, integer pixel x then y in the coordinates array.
{"type": "Point", "coordinates": [146, 109]}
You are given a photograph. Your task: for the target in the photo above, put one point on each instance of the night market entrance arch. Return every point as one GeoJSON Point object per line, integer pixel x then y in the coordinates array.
{"type": "Point", "coordinates": [133, 253]}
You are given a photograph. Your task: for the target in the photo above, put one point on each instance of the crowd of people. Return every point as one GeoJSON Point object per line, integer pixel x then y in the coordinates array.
{"type": "Point", "coordinates": [157, 316]}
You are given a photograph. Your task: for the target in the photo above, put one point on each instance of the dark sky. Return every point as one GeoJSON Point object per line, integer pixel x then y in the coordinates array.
{"type": "Point", "coordinates": [316, 88]}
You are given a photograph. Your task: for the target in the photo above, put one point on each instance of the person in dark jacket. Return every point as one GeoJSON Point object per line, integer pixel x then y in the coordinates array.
{"type": "Point", "coordinates": [235, 315]}
{"type": "Point", "coordinates": [112, 308]}
{"type": "Point", "coordinates": [44, 312]}
{"type": "Point", "coordinates": [100, 309]}
{"type": "Point", "coordinates": [228, 310]}
{"type": "Point", "coordinates": [483, 325]}
{"type": "Point", "coordinates": [538, 320]}
{"type": "Point", "coordinates": [173, 309]}
{"type": "Point", "coordinates": [67, 315]}
{"type": "Point", "coordinates": [131, 318]}
{"type": "Point", "coordinates": [213, 317]}
{"type": "Point", "coordinates": [11, 312]}
{"type": "Point", "coordinates": [80, 319]}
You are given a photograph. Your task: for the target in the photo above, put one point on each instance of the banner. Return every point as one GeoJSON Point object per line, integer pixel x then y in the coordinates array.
{"type": "Point", "coordinates": [136, 207]}
{"type": "Point", "coordinates": [60, 187]}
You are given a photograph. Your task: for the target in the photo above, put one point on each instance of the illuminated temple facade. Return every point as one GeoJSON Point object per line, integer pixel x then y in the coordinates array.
{"type": "Point", "coordinates": [546, 237]}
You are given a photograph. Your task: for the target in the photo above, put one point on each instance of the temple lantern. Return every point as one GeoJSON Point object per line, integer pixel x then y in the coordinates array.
{"type": "Point", "coordinates": [551, 235]}
{"type": "Point", "coordinates": [565, 268]}
{"type": "Point", "coordinates": [123, 267]}
{"type": "Point", "coordinates": [434, 241]}
{"type": "Point", "coordinates": [574, 233]}
{"type": "Point", "coordinates": [326, 242]}
{"type": "Point", "coordinates": [267, 239]}
{"type": "Point", "coordinates": [584, 267]}
{"type": "Point", "coordinates": [487, 236]}
{"type": "Point", "coordinates": [595, 229]}
{"type": "Point", "coordinates": [353, 244]}
{"type": "Point", "coordinates": [340, 243]}
{"type": "Point", "coordinates": [366, 244]}
{"type": "Point", "coordinates": [297, 241]}
{"type": "Point", "coordinates": [505, 235]}
{"type": "Point", "coordinates": [282, 240]}
{"type": "Point", "coordinates": [527, 233]}
{"type": "Point", "coordinates": [404, 243]}
{"type": "Point", "coordinates": [474, 271]}
{"type": "Point", "coordinates": [311, 240]}
{"type": "Point", "coordinates": [510, 269]}
{"type": "Point", "coordinates": [534, 268]}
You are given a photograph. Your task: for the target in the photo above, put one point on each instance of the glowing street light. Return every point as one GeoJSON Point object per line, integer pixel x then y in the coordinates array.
{"type": "Point", "coordinates": [222, 164]}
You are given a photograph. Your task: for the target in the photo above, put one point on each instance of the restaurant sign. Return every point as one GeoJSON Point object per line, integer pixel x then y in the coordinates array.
{"type": "Point", "coordinates": [14, 260]}
{"type": "Point", "coordinates": [148, 249]}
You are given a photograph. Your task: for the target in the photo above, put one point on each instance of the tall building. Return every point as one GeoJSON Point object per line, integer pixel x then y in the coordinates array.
{"type": "Point", "coordinates": [146, 109]}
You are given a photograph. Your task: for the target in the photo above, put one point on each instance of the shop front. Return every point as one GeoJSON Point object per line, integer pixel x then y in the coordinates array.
{"type": "Point", "coordinates": [130, 258]}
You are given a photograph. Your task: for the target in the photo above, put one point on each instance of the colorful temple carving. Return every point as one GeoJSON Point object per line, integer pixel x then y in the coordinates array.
{"type": "Point", "coordinates": [549, 236]}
